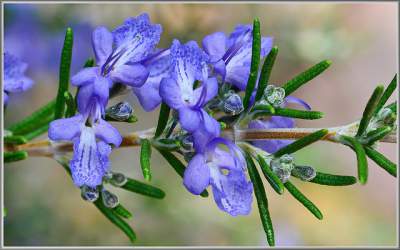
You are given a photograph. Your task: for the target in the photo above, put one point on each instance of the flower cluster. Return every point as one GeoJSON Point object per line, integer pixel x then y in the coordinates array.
{"type": "Point", "coordinates": [194, 82]}
{"type": "Point", "coordinates": [14, 76]}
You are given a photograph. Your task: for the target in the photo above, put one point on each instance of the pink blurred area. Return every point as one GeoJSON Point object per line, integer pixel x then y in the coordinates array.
{"type": "Point", "coordinates": [44, 208]}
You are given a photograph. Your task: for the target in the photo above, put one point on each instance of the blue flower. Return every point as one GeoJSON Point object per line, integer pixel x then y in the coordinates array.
{"type": "Point", "coordinates": [14, 76]}
{"type": "Point", "coordinates": [271, 146]}
{"type": "Point", "coordinates": [231, 56]}
{"type": "Point", "coordinates": [225, 172]}
{"type": "Point", "coordinates": [120, 54]}
{"type": "Point", "coordinates": [189, 63]}
{"type": "Point", "coordinates": [159, 66]}
{"type": "Point", "coordinates": [91, 136]}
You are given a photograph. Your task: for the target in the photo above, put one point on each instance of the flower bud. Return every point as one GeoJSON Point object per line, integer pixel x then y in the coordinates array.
{"type": "Point", "coordinates": [110, 200]}
{"type": "Point", "coordinates": [118, 179]}
{"type": "Point", "coordinates": [120, 112]}
{"type": "Point", "coordinates": [232, 104]}
{"type": "Point", "coordinates": [305, 173]}
{"type": "Point", "coordinates": [89, 194]}
{"type": "Point", "coordinates": [282, 166]}
{"type": "Point", "coordinates": [274, 95]}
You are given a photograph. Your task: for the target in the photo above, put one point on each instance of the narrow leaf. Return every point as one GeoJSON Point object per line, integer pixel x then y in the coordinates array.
{"type": "Point", "coordinates": [305, 77]}
{"type": "Point", "coordinates": [122, 211]}
{"type": "Point", "coordinates": [262, 200]}
{"type": "Point", "coordinates": [386, 95]}
{"type": "Point", "coordinates": [15, 156]}
{"type": "Point", "coordinates": [377, 135]}
{"type": "Point", "coordinates": [115, 219]}
{"type": "Point", "coordinates": [392, 106]}
{"type": "Point", "coordinates": [333, 180]}
{"type": "Point", "coordinates": [381, 160]}
{"type": "Point", "coordinates": [303, 200]}
{"type": "Point", "coordinates": [266, 108]}
{"type": "Point", "coordinates": [71, 104]}
{"type": "Point", "coordinates": [145, 156]}
{"type": "Point", "coordinates": [266, 72]}
{"type": "Point", "coordinates": [37, 132]}
{"type": "Point", "coordinates": [15, 139]}
{"type": "Point", "coordinates": [255, 61]}
{"type": "Point", "coordinates": [143, 188]}
{"type": "Point", "coordinates": [177, 165]}
{"type": "Point", "coordinates": [273, 180]}
{"type": "Point", "coordinates": [37, 119]}
{"type": "Point", "coordinates": [369, 110]}
{"type": "Point", "coordinates": [292, 113]}
{"type": "Point", "coordinates": [66, 56]}
{"type": "Point", "coordinates": [301, 143]}
{"type": "Point", "coordinates": [362, 164]}
{"type": "Point", "coordinates": [162, 119]}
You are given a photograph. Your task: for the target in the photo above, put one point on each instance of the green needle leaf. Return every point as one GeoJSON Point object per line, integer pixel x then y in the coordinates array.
{"type": "Point", "coordinates": [145, 155]}
{"type": "Point", "coordinates": [381, 160]}
{"type": "Point", "coordinates": [392, 106]}
{"type": "Point", "coordinates": [303, 200]}
{"type": "Point", "coordinates": [377, 135]}
{"type": "Point", "coordinates": [273, 180]}
{"type": "Point", "coordinates": [177, 165]}
{"type": "Point", "coordinates": [301, 143]}
{"type": "Point", "coordinates": [255, 61]}
{"type": "Point", "coordinates": [65, 65]}
{"type": "Point", "coordinates": [123, 212]}
{"type": "Point", "coordinates": [262, 200]}
{"type": "Point", "coordinates": [15, 156]}
{"type": "Point", "coordinates": [267, 108]}
{"type": "Point", "coordinates": [162, 119]}
{"type": "Point", "coordinates": [143, 188]}
{"type": "Point", "coordinates": [386, 95]}
{"type": "Point", "coordinates": [305, 77]}
{"type": "Point", "coordinates": [71, 105]}
{"type": "Point", "coordinates": [369, 110]}
{"type": "Point", "coordinates": [32, 135]}
{"type": "Point", "coordinates": [37, 119]}
{"type": "Point", "coordinates": [266, 72]}
{"type": "Point", "coordinates": [15, 139]}
{"type": "Point", "coordinates": [333, 180]}
{"type": "Point", "coordinates": [361, 158]}
{"type": "Point", "coordinates": [115, 219]}
{"type": "Point", "coordinates": [292, 113]}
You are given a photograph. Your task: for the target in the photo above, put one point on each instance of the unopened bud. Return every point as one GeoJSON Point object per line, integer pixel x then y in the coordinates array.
{"type": "Point", "coordinates": [118, 179]}
{"type": "Point", "coordinates": [274, 95]}
{"type": "Point", "coordinates": [120, 112]}
{"type": "Point", "coordinates": [282, 166]}
{"type": "Point", "coordinates": [110, 200]}
{"type": "Point", "coordinates": [305, 173]}
{"type": "Point", "coordinates": [232, 104]}
{"type": "Point", "coordinates": [89, 194]}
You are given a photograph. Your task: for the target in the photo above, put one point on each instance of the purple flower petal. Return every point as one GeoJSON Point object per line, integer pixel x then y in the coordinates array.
{"type": "Point", "coordinates": [14, 75]}
{"type": "Point", "coordinates": [189, 119]}
{"type": "Point", "coordinates": [232, 193]}
{"type": "Point", "coordinates": [87, 163]}
{"type": "Point", "coordinates": [295, 100]}
{"type": "Point", "coordinates": [136, 39]}
{"type": "Point", "coordinates": [211, 90]}
{"type": "Point", "coordinates": [102, 41]}
{"type": "Point", "coordinates": [107, 133]}
{"type": "Point", "coordinates": [66, 129]}
{"type": "Point", "coordinates": [215, 45]}
{"type": "Point", "coordinates": [171, 93]}
{"type": "Point", "coordinates": [266, 45]}
{"type": "Point", "coordinates": [197, 175]}
{"type": "Point", "coordinates": [133, 75]}
{"type": "Point", "coordinates": [238, 76]}
{"type": "Point", "coordinates": [85, 76]}
{"type": "Point", "coordinates": [148, 95]}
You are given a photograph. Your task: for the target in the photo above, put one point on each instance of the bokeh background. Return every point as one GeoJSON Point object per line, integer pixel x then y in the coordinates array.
{"type": "Point", "coordinates": [44, 207]}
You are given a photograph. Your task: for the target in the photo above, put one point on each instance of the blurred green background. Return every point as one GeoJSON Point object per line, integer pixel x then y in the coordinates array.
{"type": "Point", "coordinates": [45, 209]}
